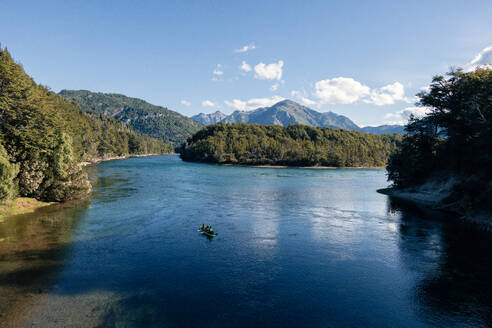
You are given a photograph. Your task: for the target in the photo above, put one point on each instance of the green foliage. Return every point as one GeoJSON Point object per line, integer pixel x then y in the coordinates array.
{"type": "Point", "coordinates": [455, 137]}
{"type": "Point", "coordinates": [154, 121]}
{"type": "Point", "coordinates": [46, 137]}
{"type": "Point", "coordinates": [8, 172]}
{"type": "Point", "coordinates": [453, 140]}
{"type": "Point", "coordinates": [295, 145]}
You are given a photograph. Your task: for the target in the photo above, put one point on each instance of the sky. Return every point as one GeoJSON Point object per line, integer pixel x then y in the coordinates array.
{"type": "Point", "coordinates": [362, 59]}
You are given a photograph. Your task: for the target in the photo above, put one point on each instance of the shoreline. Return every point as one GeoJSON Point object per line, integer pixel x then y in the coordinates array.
{"type": "Point", "coordinates": [24, 205]}
{"type": "Point", "coordinates": [266, 166]}
{"type": "Point", "coordinates": [98, 160]}
{"type": "Point", "coordinates": [21, 205]}
{"type": "Point", "coordinates": [434, 201]}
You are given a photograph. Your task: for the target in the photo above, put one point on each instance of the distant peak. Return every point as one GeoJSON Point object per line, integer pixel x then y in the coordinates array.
{"type": "Point", "coordinates": [287, 102]}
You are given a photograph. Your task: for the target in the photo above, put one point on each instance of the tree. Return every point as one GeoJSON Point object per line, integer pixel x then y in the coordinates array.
{"type": "Point", "coordinates": [455, 136]}
{"type": "Point", "coordinates": [8, 172]}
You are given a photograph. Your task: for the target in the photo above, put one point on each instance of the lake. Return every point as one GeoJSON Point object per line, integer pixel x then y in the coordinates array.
{"type": "Point", "coordinates": [295, 248]}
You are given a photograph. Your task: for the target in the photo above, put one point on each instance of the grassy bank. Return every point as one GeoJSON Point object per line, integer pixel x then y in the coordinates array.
{"type": "Point", "coordinates": [20, 205]}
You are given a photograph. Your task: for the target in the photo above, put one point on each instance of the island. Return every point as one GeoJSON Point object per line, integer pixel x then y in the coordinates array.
{"type": "Point", "coordinates": [294, 145]}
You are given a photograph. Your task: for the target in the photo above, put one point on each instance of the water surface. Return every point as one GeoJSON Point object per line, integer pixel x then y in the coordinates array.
{"type": "Point", "coordinates": [295, 248]}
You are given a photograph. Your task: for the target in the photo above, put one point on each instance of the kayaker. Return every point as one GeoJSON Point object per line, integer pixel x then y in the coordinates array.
{"type": "Point", "coordinates": [211, 230]}
{"type": "Point", "coordinates": [202, 227]}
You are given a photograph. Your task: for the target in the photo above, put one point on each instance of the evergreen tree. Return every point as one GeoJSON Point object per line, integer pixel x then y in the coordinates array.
{"type": "Point", "coordinates": [8, 172]}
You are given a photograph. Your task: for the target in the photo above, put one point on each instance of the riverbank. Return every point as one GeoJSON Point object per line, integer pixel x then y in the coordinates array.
{"type": "Point", "coordinates": [97, 160]}
{"type": "Point", "coordinates": [435, 194]}
{"type": "Point", "coordinates": [21, 205]}
{"type": "Point", "coordinates": [304, 167]}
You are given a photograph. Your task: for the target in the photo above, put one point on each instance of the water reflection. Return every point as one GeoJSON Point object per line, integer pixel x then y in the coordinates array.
{"type": "Point", "coordinates": [295, 248]}
{"type": "Point", "coordinates": [452, 263]}
{"type": "Point", "coordinates": [32, 252]}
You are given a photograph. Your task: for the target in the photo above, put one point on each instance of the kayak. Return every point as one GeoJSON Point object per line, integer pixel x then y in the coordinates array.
{"type": "Point", "coordinates": [206, 233]}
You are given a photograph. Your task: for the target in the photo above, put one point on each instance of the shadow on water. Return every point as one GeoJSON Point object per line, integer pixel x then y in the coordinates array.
{"type": "Point", "coordinates": [453, 263]}
{"type": "Point", "coordinates": [33, 248]}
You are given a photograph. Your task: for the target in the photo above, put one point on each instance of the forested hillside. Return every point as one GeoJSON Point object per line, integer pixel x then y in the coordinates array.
{"type": "Point", "coordinates": [154, 121]}
{"type": "Point", "coordinates": [454, 141]}
{"type": "Point", "coordinates": [44, 137]}
{"type": "Point", "coordinates": [296, 145]}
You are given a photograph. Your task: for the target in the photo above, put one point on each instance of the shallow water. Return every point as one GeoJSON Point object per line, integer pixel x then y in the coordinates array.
{"type": "Point", "coordinates": [295, 247]}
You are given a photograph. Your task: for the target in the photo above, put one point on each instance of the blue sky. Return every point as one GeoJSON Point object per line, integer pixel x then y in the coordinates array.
{"type": "Point", "coordinates": [363, 59]}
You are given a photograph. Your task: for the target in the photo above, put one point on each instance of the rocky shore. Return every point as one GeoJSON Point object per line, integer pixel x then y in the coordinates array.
{"type": "Point", "coordinates": [435, 194]}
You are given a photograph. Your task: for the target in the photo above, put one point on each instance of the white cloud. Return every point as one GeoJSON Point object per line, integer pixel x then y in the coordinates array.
{"type": "Point", "coordinates": [185, 102]}
{"type": "Point", "coordinates": [246, 48]}
{"type": "Point", "coordinates": [271, 71]}
{"type": "Point", "coordinates": [340, 90]}
{"type": "Point", "coordinates": [387, 95]}
{"type": "Point", "coordinates": [245, 66]}
{"type": "Point", "coordinates": [218, 71]}
{"type": "Point", "coordinates": [401, 117]}
{"type": "Point", "coordinates": [208, 103]}
{"type": "Point", "coordinates": [483, 58]}
{"type": "Point", "coordinates": [253, 103]}
{"type": "Point", "coordinates": [308, 102]}
{"type": "Point", "coordinates": [305, 101]}
{"type": "Point", "coordinates": [274, 87]}
{"type": "Point", "coordinates": [344, 90]}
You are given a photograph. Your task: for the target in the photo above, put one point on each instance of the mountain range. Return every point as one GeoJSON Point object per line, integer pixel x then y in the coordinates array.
{"type": "Point", "coordinates": [288, 112]}
{"type": "Point", "coordinates": [147, 119]}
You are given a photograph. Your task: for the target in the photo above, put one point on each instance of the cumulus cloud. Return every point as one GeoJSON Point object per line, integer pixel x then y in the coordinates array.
{"type": "Point", "coordinates": [274, 87]}
{"type": "Point", "coordinates": [208, 103]}
{"type": "Point", "coordinates": [245, 67]}
{"type": "Point", "coordinates": [340, 90]}
{"type": "Point", "coordinates": [253, 103]}
{"type": "Point", "coordinates": [271, 71]}
{"type": "Point", "coordinates": [344, 90]}
{"type": "Point", "coordinates": [401, 117]}
{"type": "Point", "coordinates": [185, 102]}
{"type": "Point", "coordinates": [245, 48]}
{"type": "Point", "coordinates": [388, 95]}
{"type": "Point", "coordinates": [483, 58]}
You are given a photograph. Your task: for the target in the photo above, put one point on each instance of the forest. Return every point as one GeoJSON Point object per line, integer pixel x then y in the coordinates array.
{"type": "Point", "coordinates": [151, 120]}
{"type": "Point", "coordinates": [294, 145]}
{"type": "Point", "coordinates": [453, 140]}
{"type": "Point", "coordinates": [44, 137]}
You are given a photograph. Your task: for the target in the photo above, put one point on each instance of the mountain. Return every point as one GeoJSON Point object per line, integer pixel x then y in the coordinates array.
{"type": "Point", "coordinates": [155, 121]}
{"type": "Point", "coordinates": [44, 138]}
{"type": "Point", "coordinates": [384, 129]}
{"type": "Point", "coordinates": [288, 112]}
{"type": "Point", "coordinates": [207, 119]}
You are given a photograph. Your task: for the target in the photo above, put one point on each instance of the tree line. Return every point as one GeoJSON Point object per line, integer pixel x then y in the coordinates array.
{"type": "Point", "coordinates": [44, 137]}
{"type": "Point", "coordinates": [294, 145]}
{"type": "Point", "coordinates": [454, 139]}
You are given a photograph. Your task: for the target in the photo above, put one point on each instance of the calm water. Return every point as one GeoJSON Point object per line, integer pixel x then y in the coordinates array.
{"type": "Point", "coordinates": [295, 248]}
